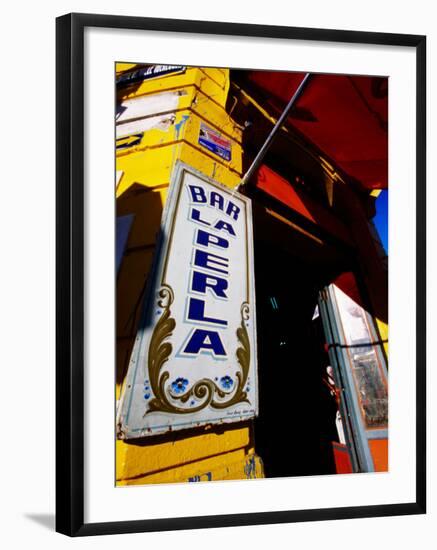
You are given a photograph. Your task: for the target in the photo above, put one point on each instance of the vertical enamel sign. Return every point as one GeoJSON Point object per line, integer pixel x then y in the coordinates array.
{"type": "Point", "coordinates": [194, 358]}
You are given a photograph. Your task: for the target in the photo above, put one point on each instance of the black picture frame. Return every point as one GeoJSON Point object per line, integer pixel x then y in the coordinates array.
{"type": "Point", "coordinates": [70, 272]}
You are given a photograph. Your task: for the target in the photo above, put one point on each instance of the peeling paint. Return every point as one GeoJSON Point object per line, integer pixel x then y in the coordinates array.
{"type": "Point", "coordinates": [145, 106]}
{"type": "Point", "coordinates": [180, 124]}
{"type": "Point", "coordinates": [160, 122]}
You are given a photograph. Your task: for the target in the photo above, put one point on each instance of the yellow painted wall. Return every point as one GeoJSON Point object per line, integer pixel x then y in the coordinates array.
{"type": "Point", "coordinates": [144, 174]}
{"type": "Point", "coordinates": [151, 162]}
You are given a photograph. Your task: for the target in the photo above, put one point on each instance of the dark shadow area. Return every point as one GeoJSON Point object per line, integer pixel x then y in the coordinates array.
{"type": "Point", "coordinates": [145, 206]}
{"type": "Point", "coordinates": [296, 423]}
{"type": "Point", "coordinates": [46, 520]}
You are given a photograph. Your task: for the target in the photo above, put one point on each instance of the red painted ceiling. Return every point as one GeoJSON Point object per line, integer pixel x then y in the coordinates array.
{"type": "Point", "coordinates": [345, 116]}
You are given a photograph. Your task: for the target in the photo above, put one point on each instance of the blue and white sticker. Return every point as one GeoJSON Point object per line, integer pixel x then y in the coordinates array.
{"type": "Point", "coordinates": [214, 142]}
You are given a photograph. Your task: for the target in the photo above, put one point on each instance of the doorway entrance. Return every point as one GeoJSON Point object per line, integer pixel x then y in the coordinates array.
{"type": "Point", "coordinates": [297, 412]}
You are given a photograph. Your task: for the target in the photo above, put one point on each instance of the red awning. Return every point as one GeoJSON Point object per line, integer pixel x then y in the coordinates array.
{"type": "Point", "coordinates": [345, 116]}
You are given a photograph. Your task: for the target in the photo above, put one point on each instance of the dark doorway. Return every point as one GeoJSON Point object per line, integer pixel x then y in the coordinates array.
{"type": "Point", "coordinates": [296, 423]}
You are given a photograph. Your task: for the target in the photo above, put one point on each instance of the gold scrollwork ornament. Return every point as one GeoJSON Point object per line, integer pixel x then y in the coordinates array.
{"type": "Point", "coordinates": [205, 389]}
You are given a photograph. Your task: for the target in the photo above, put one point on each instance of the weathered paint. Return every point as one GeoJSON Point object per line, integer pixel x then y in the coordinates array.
{"type": "Point", "coordinates": [146, 171]}
{"type": "Point", "coordinates": [146, 106]}
{"type": "Point", "coordinates": [161, 147]}
{"type": "Point", "coordinates": [174, 132]}
{"type": "Point", "coordinates": [136, 127]}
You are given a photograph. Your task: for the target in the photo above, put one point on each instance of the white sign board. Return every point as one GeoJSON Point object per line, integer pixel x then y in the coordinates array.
{"type": "Point", "coordinates": [194, 359]}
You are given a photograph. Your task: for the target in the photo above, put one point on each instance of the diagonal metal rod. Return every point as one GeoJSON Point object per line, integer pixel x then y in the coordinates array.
{"type": "Point", "coordinates": [259, 157]}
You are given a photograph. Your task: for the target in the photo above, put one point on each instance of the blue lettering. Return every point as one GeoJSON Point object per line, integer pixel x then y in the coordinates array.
{"type": "Point", "coordinates": [218, 200]}
{"type": "Point", "coordinates": [204, 238]}
{"type": "Point", "coordinates": [196, 312]}
{"type": "Point", "coordinates": [195, 216]}
{"type": "Point", "coordinates": [197, 194]}
{"type": "Point", "coordinates": [226, 226]}
{"type": "Point", "coordinates": [232, 210]}
{"type": "Point", "coordinates": [210, 261]}
{"type": "Point", "coordinates": [202, 281]}
{"type": "Point", "coordinates": [205, 339]}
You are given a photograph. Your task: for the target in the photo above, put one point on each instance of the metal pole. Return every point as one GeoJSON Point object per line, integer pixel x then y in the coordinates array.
{"type": "Point", "coordinates": [259, 157]}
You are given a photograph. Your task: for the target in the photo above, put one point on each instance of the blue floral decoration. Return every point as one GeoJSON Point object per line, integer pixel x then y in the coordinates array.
{"type": "Point", "coordinates": [179, 385]}
{"type": "Point", "coordinates": [226, 382]}
{"type": "Point", "coordinates": [146, 395]}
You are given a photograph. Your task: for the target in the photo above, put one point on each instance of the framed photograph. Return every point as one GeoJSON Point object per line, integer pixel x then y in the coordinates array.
{"type": "Point", "coordinates": [240, 274]}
